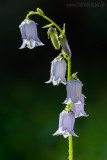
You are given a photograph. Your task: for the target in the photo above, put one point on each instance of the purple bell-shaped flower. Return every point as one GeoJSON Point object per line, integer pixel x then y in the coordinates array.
{"type": "Point", "coordinates": [29, 34]}
{"type": "Point", "coordinates": [58, 71]}
{"type": "Point", "coordinates": [74, 90]}
{"type": "Point", "coordinates": [66, 124]}
{"type": "Point", "coordinates": [78, 108]}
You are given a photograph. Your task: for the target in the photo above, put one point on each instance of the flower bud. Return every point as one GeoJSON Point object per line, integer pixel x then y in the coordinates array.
{"type": "Point", "coordinates": [40, 11]}
{"type": "Point", "coordinates": [65, 45]}
{"type": "Point", "coordinates": [52, 33]}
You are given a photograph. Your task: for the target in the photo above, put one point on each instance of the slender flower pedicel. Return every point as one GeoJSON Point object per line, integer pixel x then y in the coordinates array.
{"type": "Point", "coordinates": [58, 71]}
{"type": "Point", "coordinates": [59, 67]}
{"type": "Point", "coordinates": [29, 34]}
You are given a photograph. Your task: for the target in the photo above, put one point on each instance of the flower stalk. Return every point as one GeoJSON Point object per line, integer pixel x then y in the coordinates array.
{"type": "Point", "coordinates": [75, 97]}
{"type": "Point", "coordinates": [69, 105]}
{"type": "Point", "coordinates": [70, 137]}
{"type": "Point", "coordinates": [70, 148]}
{"type": "Point", "coordinates": [48, 19]}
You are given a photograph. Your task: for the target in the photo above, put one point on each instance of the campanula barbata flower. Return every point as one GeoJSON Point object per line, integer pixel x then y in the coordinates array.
{"type": "Point", "coordinates": [74, 90]}
{"type": "Point", "coordinates": [58, 71]}
{"type": "Point", "coordinates": [65, 45]}
{"type": "Point", "coordinates": [78, 108]}
{"type": "Point", "coordinates": [66, 124]}
{"type": "Point", "coordinates": [29, 34]}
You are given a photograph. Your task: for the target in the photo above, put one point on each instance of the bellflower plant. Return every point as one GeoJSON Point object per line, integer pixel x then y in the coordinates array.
{"type": "Point", "coordinates": [59, 67]}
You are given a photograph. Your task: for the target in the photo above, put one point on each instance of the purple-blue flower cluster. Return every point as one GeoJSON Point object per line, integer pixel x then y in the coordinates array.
{"type": "Point", "coordinates": [67, 117]}
{"type": "Point", "coordinates": [75, 99]}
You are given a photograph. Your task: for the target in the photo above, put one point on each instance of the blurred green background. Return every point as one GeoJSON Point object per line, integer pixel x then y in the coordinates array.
{"type": "Point", "coordinates": [29, 108]}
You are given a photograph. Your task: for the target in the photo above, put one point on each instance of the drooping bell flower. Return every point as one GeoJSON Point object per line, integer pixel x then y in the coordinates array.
{"type": "Point", "coordinates": [78, 108]}
{"type": "Point", "coordinates": [66, 124]}
{"type": "Point", "coordinates": [29, 34]}
{"type": "Point", "coordinates": [65, 45]}
{"type": "Point", "coordinates": [74, 90]}
{"type": "Point", "coordinates": [58, 71]}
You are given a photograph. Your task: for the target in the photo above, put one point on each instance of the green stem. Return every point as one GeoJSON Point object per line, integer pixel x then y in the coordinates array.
{"type": "Point", "coordinates": [70, 148]}
{"type": "Point", "coordinates": [69, 70]}
{"type": "Point", "coordinates": [70, 137]}
{"type": "Point", "coordinates": [32, 13]}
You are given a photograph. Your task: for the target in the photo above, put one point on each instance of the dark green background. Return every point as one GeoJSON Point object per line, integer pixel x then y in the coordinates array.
{"type": "Point", "coordinates": [29, 108]}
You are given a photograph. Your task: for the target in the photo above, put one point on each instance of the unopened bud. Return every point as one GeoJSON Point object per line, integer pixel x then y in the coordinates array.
{"type": "Point", "coordinates": [65, 45]}
{"type": "Point", "coordinates": [52, 33]}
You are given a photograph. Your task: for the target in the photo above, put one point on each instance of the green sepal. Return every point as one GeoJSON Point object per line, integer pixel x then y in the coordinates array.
{"type": "Point", "coordinates": [74, 76]}
{"type": "Point", "coordinates": [84, 96]}
{"type": "Point", "coordinates": [48, 33]}
{"type": "Point", "coordinates": [47, 26]}
{"type": "Point", "coordinates": [63, 31]}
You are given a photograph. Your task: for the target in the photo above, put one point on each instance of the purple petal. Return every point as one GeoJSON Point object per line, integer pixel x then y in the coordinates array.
{"type": "Point", "coordinates": [68, 121]}
{"type": "Point", "coordinates": [29, 33]}
{"type": "Point", "coordinates": [74, 89]}
{"type": "Point", "coordinates": [78, 109]}
{"type": "Point", "coordinates": [23, 44]}
{"type": "Point", "coordinates": [58, 71]}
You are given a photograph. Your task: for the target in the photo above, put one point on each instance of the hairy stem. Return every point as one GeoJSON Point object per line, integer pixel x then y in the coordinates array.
{"type": "Point", "coordinates": [32, 13]}
{"type": "Point", "coordinates": [70, 148]}
{"type": "Point", "coordinates": [70, 137]}
{"type": "Point", "coordinates": [69, 69]}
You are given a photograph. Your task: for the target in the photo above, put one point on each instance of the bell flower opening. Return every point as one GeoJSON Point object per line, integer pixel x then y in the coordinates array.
{"type": "Point", "coordinates": [78, 109]}
{"type": "Point", "coordinates": [66, 124]}
{"type": "Point", "coordinates": [29, 34]}
{"type": "Point", "coordinates": [74, 90]}
{"type": "Point", "coordinates": [58, 71]}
